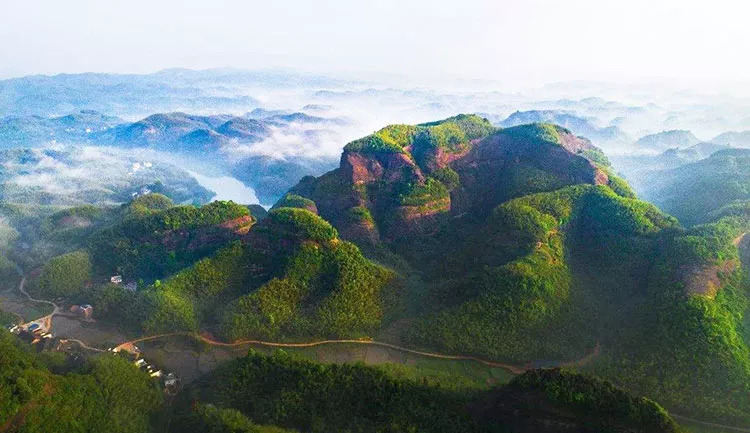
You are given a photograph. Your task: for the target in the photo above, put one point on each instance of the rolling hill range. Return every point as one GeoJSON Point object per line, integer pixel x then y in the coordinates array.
{"type": "Point", "coordinates": [72, 176]}
{"type": "Point", "coordinates": [268, 150]}
{"type": "Point", "coordinates": [733, 138]}
{"type": "Point", "coordinates": [664, 140]}
{"type": "Point", "coordinates": [221, 89]}
{"type": "Point", "coordinates": [518, 245]}
{"type": "Point", "coordinates": [586, 127]}
{"type": "Point", "coordinates": [698, 192]}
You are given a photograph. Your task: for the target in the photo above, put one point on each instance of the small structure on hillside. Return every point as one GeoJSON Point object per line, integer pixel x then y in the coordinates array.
{"type": "Point", "coordinates": [115, 279]}
{"type": "Point", "coordinates": [85, 310]}
{"type": "Point", "coordinates": [172, 384]}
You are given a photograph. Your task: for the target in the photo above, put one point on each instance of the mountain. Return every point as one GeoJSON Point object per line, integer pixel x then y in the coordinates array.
{"type": "Point", "coordinates": [644, 170]}
{"type": "Point", "coordinates": [254, 148]}
{"type": "Point", "coordinates": [267, 150]}
{"type": "Point", "coordinates": [243, 129]}
{"type": "Point", "coordinates": [667, 139]}
{"type": "Point", "coordinates": [733, 139]}
{"type": "Point", "coordinates": [582, 126]}
{"type": "Point", "coordinates": [513, 245]}
{"type": "Point", "coordinates": [31, 131]}
{"type": "Point", "coordinates": [695, 192]}
{"type": "Point", "coordinates": [522, 245]}
{"type": "Point", "coordinates": [137, 95]}
{"type": "Point", "coordinates": [176, 132]}
{"type": "Point", "coordinates": [410, 179]}
{"type": "Point", "coordinates": [271, 176]}
{"type": "Point", "coordinates": [73, 175]}
{"type": "Point", "coordinates": [287, 275]}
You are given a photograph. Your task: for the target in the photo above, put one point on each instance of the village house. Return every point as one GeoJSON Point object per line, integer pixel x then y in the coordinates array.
{"type": "Point", "coordinates": [85, 310]}
{"type": "Point", "coordinates": [171, 381]}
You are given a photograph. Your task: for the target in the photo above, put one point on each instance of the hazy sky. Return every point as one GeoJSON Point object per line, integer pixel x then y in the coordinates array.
{"type": "Point", "coordinates": [519, 40]}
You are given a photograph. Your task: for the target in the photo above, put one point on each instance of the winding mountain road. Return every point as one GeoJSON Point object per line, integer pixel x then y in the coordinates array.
{"type": "Point", "coordinates": [512, 368]}
{"type": "Point", "coordinates": [128, 345]}
{"type": "Point", "coordinates": [82, 344]}
{"type": "Point", "coordinates": [45, 321]}
{"type": "Point", "coordinates": [41, 301]}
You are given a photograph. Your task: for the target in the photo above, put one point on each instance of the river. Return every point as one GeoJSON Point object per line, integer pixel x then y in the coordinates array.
{"type": "Point", "coordinates": [227, 188]}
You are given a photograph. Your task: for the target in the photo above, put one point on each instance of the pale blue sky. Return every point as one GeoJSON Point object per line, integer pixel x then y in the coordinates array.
{"type": "Point", "coordinates": [534, 40]}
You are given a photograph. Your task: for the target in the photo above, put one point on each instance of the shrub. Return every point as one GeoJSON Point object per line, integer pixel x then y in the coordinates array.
{"type": "Point", "coordinates": [65, 275]}
{"type": "Point", "coordinates": [303, 224]}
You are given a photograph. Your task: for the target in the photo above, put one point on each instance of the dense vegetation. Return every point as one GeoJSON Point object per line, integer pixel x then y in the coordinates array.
{"type": "Point", "coordinates": [693, 191]}
{"type": "Point", "coordinates": [518, 245]}
{"type": "Point", "coordinates": [107, 393]}
{"type": "Point", "coordinates": [525, 256]}
{"type": "Point", "coordinates": [518, 279]}
{"type": "Point", "coordinates": [154, 239]}
{"type": "Point", "coordinates": [450, 134]}
{"type": "Point", "coordinates": [311, 397]}
{"type": "Point", "coordinates": [291, 277]}
{"type": "Point", "coordinates": [64, 275]}
{"type": "Point", "coordinates": [210, 419]}
{"type": "Point", "coordinates": [295, 201]}
{"type": "Point", "coordinates": [601, 405]}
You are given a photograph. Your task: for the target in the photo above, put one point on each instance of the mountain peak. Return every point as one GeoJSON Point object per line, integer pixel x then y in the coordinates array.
{"type": "Point", "coordinates": [411, 179]}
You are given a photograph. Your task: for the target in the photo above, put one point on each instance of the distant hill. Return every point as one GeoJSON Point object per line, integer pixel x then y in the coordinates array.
{"type": "Point", "coordinates": [664, 140]}
{"type": "Point", "coordinates": [230, 143]}
{"type": "Point", "coordinates": [28, 131]}
{"type": "Point", "coordinates": [181, 132]}
{"type": "Point", "coordinates": [582, 126]}
{"type": "Point", "coordinates": [693, 192]}
{"type": "Point", "coordinates": [73, 175]}
{"type": "Point", "coordinates": [137, 95]}
{"type": "Point", "coordinates": [733, 139]}
{"type": "Point", "coordinates": [640, 169]}
{"type": "Point", "coordinates": [234, 143]}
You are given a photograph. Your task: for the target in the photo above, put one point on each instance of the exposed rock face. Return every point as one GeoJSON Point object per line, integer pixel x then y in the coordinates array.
{"type": "Point", "coordinates": [412, 179]}
{"type": "Point", "coordinates": [206, 237]}
{"type": "Point", "coordinates": [360, 168]}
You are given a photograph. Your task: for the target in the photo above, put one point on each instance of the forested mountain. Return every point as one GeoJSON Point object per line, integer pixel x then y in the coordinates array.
{"type": "Point", "coordinates": [583, 126]}
{"type": "Point", "coordinates": [517, 245]}
{"type": "Point", "coordinates": [664, 140]}
{"type": "Point", "coordinates": [532, 249]}
{"type": "Point", "coordinates": [134, 94]}
{"type": "Point", "coordinates": [699, 192]}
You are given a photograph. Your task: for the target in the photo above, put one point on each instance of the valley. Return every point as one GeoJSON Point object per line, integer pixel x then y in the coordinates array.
{"type": "Point", "coordinates": [527, 266]}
